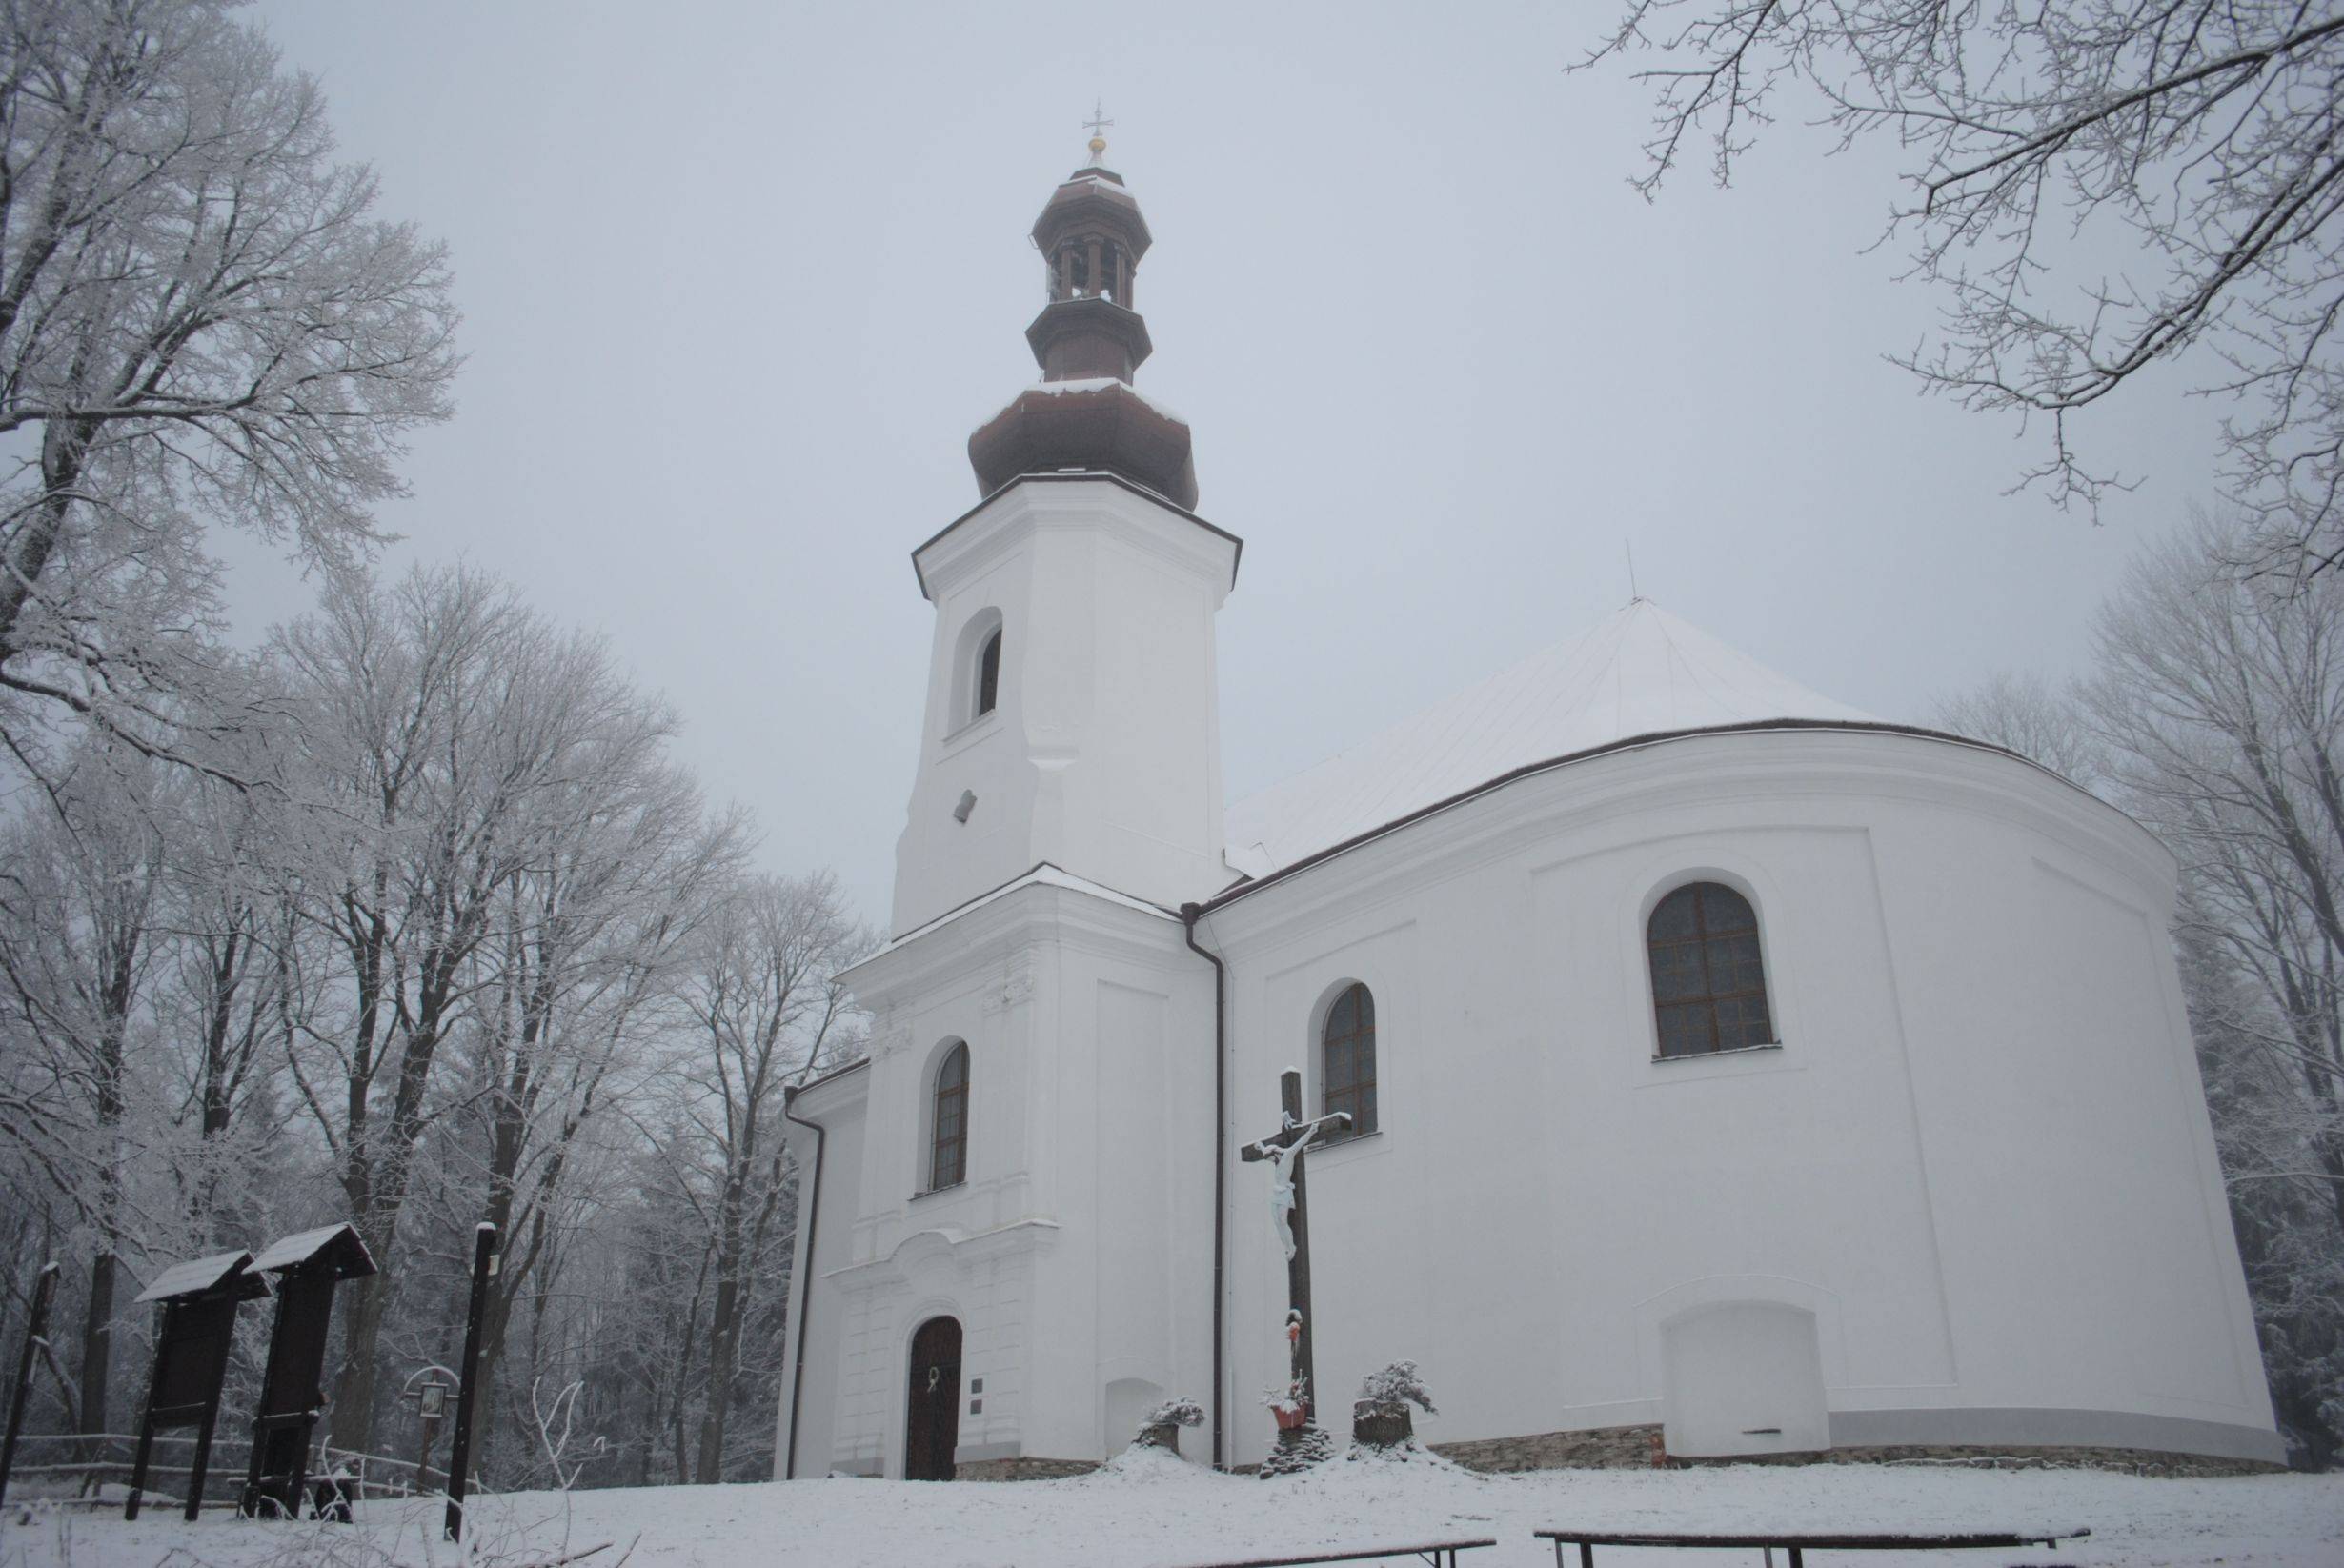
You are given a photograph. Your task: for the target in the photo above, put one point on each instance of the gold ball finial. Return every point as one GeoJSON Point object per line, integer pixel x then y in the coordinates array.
{"type": "Point", "coordinates": [1099, 145]}
{"type": "Point", "coordinates": [1095, 124]}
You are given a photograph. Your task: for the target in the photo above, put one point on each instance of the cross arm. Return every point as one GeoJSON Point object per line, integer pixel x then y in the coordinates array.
{"type": "Point", "coordinates": [1293, 1136]}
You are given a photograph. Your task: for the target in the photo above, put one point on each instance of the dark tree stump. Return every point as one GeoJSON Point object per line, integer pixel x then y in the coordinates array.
{"type": "Point", "coordinates": [1376, 1425]}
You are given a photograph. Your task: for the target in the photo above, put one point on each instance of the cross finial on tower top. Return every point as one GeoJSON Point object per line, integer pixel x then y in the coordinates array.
{"type": "Point", "coordinates": [1096, 123]}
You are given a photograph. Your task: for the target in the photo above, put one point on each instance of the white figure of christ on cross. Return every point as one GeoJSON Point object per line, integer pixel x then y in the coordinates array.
{"type": "Point", "coordinates": [1291, 1211]}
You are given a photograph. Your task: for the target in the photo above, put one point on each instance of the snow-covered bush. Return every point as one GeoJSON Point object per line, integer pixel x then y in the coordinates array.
{"type": "Point", "coordinates": [1380, 1418]}
{"type": "Point", "coordinates": [1395, 1388]}
{"type": "Point", "coordinates": [1182, 1411]}
{"type": "Point", "coordinates": [1299, 1449]}
{"type": "Point", "coordinates": [1159, 1427]}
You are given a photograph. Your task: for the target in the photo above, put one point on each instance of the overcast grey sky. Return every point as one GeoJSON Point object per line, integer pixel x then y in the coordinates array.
{"type": "Point", "coordinates": [739, 278]}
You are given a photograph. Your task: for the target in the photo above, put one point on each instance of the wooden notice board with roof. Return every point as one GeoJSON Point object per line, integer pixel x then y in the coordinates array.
{"type": "Point", "coordinates": [308, 1265]}
{"type": "Point", "coordinates": [199, 1300]}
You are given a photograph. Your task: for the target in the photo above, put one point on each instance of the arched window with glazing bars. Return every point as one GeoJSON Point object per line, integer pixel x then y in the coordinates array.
{"type": "Point", "coordinates": [1347, 1062]}
{"type": "Point", "coordinates": [948, 1139]}
{"type": "Point", "coordinates": [1709, 977]}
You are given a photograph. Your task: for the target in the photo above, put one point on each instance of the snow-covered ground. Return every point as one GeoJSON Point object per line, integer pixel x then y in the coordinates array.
{"type": "Point", "coordinates": [1155, 1512]}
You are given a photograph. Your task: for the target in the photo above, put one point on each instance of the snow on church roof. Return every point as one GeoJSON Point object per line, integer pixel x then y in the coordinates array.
{"type": "Point", "coordinates": [1641, 672]}
{"type": "Point", "coordinates": [1090, 384]}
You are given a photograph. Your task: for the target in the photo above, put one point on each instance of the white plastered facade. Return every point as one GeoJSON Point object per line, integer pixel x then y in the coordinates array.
{"type": "Point", "coordinates": [1970, 1199]}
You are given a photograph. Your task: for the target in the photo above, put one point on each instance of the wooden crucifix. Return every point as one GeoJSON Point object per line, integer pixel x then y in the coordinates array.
{"type": "Point", "coordinates": [1289, 1208]}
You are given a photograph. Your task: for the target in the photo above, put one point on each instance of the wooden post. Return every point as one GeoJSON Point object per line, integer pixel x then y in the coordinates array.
{"type": "Point", "coordinates": [249, 1504]}
{"type": "Point", "coordinates": [203, 1456]}
{"type": "Point", "coordinates": [460, 1452]}
{"type": "Point", "coordinates": [37, 1330]}
{"type": "Point", "coordinates": [146, 1422]}
{"type": "Point", "coordinates": [423, 1461]}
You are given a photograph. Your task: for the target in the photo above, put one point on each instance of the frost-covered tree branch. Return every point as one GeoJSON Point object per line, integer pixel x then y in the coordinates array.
{"type": "Point", "coordinates": [202, 323]}
{"type": "Point", "coordinates": [2205, 140]}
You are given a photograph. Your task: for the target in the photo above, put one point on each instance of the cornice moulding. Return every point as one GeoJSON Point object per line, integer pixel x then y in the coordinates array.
{"type": "Point", "coordinates": [827, 1096]}
{"type": "Point", "coordinates": [1035, 502]}
{"type": "Point", "coordinates": [895, 1269]}
{"type": "Point", "coordinates": [971, 946]}
{"type": "Point", "coordinates": [1829, 768]}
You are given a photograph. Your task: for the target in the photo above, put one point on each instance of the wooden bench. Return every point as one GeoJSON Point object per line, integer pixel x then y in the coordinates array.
{"type": "Point", "coordinates": [1440, 1554]}
{"type": "Point", "coordinates": [1588, 1541]}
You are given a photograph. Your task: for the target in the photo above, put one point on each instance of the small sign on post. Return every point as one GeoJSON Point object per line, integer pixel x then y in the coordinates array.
{"type": "Point", "coordinates": [430, 1400]}
{"type": "Point", "coordinates": [199, 1301]}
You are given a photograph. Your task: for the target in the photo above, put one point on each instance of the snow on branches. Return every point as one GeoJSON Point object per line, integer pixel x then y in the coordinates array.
{"type": "Point", "coordinates": [1179, 1412]}
{"type": "Point", "coordinates": [1395, 1388]}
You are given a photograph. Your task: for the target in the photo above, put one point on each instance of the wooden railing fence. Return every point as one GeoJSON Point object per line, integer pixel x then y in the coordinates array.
{"type": "Point", "coordinates": [69, 1465]}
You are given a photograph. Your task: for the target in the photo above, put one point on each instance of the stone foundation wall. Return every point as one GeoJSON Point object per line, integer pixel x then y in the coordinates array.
{"type": "Point", "coordinates": [1604, 1448]}
{"type": "Point", "coordinates": [1022, 1470]}
{"type": "Point", "coordinates": [2140, 1462]}
{"type": "Point", "coordinates": [1636, 1448]}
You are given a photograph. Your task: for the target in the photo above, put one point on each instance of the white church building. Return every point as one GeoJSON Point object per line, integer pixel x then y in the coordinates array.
{"type": "Point", "coordinates": [1731, 1072]}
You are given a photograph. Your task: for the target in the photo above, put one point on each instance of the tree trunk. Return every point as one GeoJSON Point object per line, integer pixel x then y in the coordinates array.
{"type": "Point", "coordinates": [384, 1183]}
{"type": "Point", "coordinates": [352, 1413]}
{"type": "Point", "coordinates": [721, 1356]}
{"type": "Point", "coordinates": [97, 1330]}
{"type": "Point", "coordinates": [97, 1338]}
{"type": "Point", "coordinates": [64, 445]}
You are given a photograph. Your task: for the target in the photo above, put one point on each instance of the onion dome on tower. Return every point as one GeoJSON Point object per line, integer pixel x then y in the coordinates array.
{"type": "Point", "coordinates": [1088, 340]}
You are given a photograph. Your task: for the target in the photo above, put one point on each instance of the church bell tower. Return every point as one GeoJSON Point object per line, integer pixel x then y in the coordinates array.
{"type": "Point", "coordinates": [1072, 714]}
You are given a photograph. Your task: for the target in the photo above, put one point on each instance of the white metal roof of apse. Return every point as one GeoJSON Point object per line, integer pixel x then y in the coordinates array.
{"type": "Point", "coordinates": [1640, 671]}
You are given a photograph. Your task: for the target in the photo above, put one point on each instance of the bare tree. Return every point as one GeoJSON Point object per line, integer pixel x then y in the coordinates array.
{"type": "Point", "coordinates": [765, 1000]}
{"type": "Point", "coordinates": [200, 322]}
{"type": "Point", "coordinates": [2205, 138]}
{"type": "Point", "coordinates": [2287, 1233]}
{"type": "Point", "coordinates": [228, 1002]}
{"type": "Point", "coordinates": [590, 950]}
{"type": "Point", "coordinates": [442, 723]}
{"type": "Point", "coordinates": [475, 950]}
{"type": "Point", "coordinates": [76, 947]}
{"type": "Point", "coordinates": [2024, 714]}
{"type": "Point", "coordinates": [2219, 702]}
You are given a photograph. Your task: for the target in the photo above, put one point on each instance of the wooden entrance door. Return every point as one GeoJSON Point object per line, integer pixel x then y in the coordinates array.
{"type": "Point", "coordinates": [933, 1429]}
